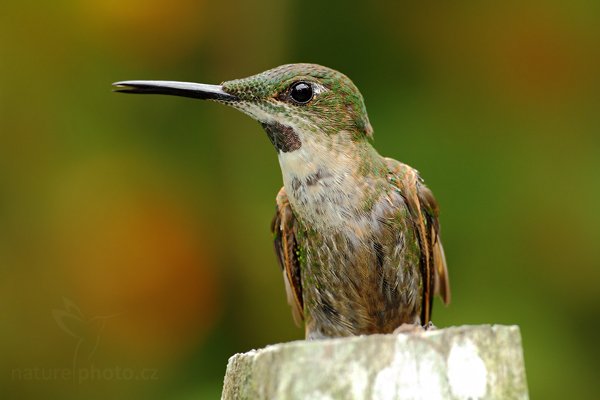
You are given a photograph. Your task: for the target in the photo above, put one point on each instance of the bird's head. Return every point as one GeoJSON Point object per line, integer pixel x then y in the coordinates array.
{"type": "Point", "coordinates": [297, 104]}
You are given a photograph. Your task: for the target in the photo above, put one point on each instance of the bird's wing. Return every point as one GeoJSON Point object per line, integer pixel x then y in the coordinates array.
{"type": "Point", "coordinates": [440, 269]}
{"type": "Point", "coordinates": [286, 248]}
{"type": "Point", "coordinates": [424, 212]}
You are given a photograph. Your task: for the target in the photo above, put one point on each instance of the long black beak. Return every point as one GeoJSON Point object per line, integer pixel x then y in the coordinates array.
{"type": "Point", "coordinates": [174, 88]}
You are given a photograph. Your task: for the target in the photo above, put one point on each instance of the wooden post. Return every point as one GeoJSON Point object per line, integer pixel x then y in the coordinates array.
{"type": "Point", "coordinates": [468, 362]}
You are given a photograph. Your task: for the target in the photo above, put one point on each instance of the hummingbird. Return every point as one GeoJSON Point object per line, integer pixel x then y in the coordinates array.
{"type": "Point", "coordinates": [356, 234]}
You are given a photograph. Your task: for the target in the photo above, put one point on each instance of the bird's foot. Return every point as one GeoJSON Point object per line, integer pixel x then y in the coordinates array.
{"type": "Point", "coordinates": [409, 328]}
{"type": "Point", "coordinates": [415, 328]}
{"type": "Point", "coordinates": [430, 326]}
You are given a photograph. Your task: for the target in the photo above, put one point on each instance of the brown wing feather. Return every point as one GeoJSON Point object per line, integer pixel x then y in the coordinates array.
{"type": "Point", "coordinates": [283, 228]}
{"type": "Point", "coordinates": [431, 208]}
{"type": "Point", "coordinates": [424, 212]}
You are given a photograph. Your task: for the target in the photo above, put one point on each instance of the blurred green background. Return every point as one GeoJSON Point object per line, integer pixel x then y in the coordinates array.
{"type": "Point", "coordinates": [135, 252]}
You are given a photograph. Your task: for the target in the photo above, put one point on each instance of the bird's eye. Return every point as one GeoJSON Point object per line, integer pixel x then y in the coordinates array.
{"type": "Point", "coordinates": [301, 92]}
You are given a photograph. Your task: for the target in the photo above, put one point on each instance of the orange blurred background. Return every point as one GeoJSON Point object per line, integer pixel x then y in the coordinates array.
{"type": "Point", "coordinates": [135, 252]}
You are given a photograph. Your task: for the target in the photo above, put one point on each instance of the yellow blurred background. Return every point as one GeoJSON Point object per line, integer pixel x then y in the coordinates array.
{"type": "Point", "coordinates": [135, 252]}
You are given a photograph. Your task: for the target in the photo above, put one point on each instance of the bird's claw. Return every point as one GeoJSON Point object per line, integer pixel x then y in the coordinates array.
{"type": "Point", "coordinates": [430, 326]}
{"type": "Point", "coordinates": [414, 328]}
{"type": "Point", "coordinates": [409, 329]}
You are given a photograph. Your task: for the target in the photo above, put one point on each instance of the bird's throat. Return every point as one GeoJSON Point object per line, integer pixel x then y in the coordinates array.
{"type": "Point", "coordinates": [283, 137]}
{"type": "Point", "coordinates": [328, 189]}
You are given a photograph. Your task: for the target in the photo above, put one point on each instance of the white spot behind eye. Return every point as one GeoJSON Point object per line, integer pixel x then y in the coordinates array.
{"type": "Point", "coordinates": [318, 88]}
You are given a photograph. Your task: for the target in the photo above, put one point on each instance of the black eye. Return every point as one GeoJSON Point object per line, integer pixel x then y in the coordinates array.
{"type": "Point", "coordinates": [301, 92]}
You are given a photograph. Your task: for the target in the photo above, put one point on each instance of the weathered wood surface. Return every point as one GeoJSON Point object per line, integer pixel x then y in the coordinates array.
{"type": "Point", "coordinates": [468, 362]}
